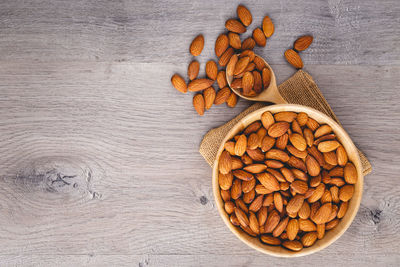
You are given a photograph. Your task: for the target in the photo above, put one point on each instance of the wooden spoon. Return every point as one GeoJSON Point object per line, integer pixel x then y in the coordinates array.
{"type": "Point", "coordinates": [271, 94]}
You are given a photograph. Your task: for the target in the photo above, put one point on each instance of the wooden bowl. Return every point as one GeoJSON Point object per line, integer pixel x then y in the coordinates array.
{"type": "Point", "coordinates": [331, 235]}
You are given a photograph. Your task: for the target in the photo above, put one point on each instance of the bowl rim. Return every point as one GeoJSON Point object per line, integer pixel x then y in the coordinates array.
{"type": "Point", "coordinates": [341, 133]}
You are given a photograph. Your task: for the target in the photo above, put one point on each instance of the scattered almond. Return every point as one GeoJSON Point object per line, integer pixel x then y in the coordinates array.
{"type": "Point", "coordinates": [197, 45]}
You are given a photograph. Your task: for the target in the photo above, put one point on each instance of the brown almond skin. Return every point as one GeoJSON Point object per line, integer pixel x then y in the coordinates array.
{"type": "Point", "coordinates": [322, 130]}
{"type": "Point", "coordinates": [255, 168]}
{"type": "Point", "coordinates": [253, 223]}
{"type": "Point", "coordinates": [221, 79]}
{"type": "Point", "coordinates": [309, 239]}
{"type": "Point", "coordinates": [342, 209]}
{"type": "Point", "coordinates": [293, 245]}
{"type": "Point", "coordinates": [272, 221]}
{"type": "Point", "coordinates": [179, 83]}
{"type": "Point", "coordinates": [293, 58]}
{"type": "Point", "coordinates": [267, 143]}
{"type": "Point", "coordinates": [280, 227]}
{"type": "Point", "coordinates": [199, 84]}
{"type": "Point", "coordinates": [244, 15]}
{"type": "Point", "coordinates": [307, 225]}
{"type": "Point", "coordinates": [230, 68]}
{"type": "Point", "coordinates": [259, 37]}
{"type": "Point", "coordinates": [253, 127]}
{"type": "Point", "coordinates": [319, 191]}
{"type": "Point", "coordinates": [241, 145]}
{"type": "Point", "coordinates": [350, 173]}
{"type": "Point", "coordinates": [209, 97]}
{"type": "Point", "coordinates": [305, 210]}
{"type": "Point", "coordinates": [303, 42]}
{"type": "Point", "coordinates": [341, 154]}
{"type": "Point", "coordinates": [193, 69]}
{"type": "Point", "coordinates": [346, 193]}
{"type": "Point", "coordinates": [292, 229]}
{"type": "Point", "coordinates": [328, 146]}
{"type": "Point", "coordinates": [225, 195]}
{"type": "Point", "coordinates": [248, 43]}
{"type": "Point", "coordinates": [253, 141]}
{"type": "Point", "coordinates": [299, 186]}
{"type": "Point", "coordinates": [320, 230]}
{"type": "Point", "coordinates": [267, 119]}
{"type": "Point", "coordinates": [197, 45]}
{"type": "Point", "coordinates": [225, 162]}
{"type": "Point", "coordinates": [241, 65]}
{"type": "Point", "coordinates": [277, 129]}
{"type": "Point", "coordinates": [234, 40]}
{"type": "Point", "coordinates": [222, 96]}
{"type": "Point", "coordinates": [199, 104]}
{"type": "Point", "coordinates": [211, 70]}
{"type": "Point", "coordinates": [257, 203]}
{"type": "Point", "coordinates": [295, 204]}
{"type": "Point", "coordinates": [243, 175]}
{"type": "Point", "coordinates": [225, 180]}
{"type": "Point", "coordinates": [226, 56]}
{"type": "Point", "coordinates": [249, 196]}
{"type": "Point", "coordinates": [232, 100]}
{"type": "Point", "coordinates": [313, 167]}
{"type": "Point", "coordinates": [278, 202]}
{"type": "Point", "coordinates": [240, 204]}
{"type": "Point", "coordinates": [323, 213]}
{"type": "Point", "coordinates": [270, 240]}
{"type": "Point", "coordinates": [229, 207]}
{"type": "Point", "coordinates": [277, 154]}
{"type": "Point", "coordinates": [247, 186]}
{"type": "Point", "coordinates": [236, 189]}
{"type": "Point", "coordinates": [236, 162]}
{"type": "Point", "coordinates": [234, 25]}
{"type": "Point", "coordinates": [268, 27]}
{"type": "Point", "coordinates": [269, 181]}
{"type": "Point", "coordinates": [234, 220]}
{"type": "Point", "coordinates": [266, 77]}
{"type": "Point", "coordinates": [242, 217]}
{"type": "Point", "coordinates": [298, 141]}
{"type": "Point", "coordinates": [247, 82]}
{"type": "Point", "coordinates": [221, 44]}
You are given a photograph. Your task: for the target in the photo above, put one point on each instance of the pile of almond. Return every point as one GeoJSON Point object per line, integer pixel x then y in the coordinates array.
{"type": "Point", "coordinates": [286, 179]}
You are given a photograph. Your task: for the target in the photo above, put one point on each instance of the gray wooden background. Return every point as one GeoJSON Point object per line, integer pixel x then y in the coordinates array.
{"type": "Point", "coordinates": [99, 154]}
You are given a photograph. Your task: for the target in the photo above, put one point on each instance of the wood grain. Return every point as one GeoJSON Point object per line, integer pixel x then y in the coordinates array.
{"type": "Point", "coordinates": [99, 160]}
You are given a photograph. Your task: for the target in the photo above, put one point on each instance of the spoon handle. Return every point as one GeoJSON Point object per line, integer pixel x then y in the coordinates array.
{"type": "Point", "coordinates": [273, 95]}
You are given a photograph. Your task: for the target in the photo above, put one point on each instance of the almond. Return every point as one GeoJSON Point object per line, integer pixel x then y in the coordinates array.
{"type": "Point", "coordinates": [221, 44]}
{"type": "Point", "coordinates": [241, 145]}
{"type": "Point", "coordinates": [317, 194]}
{"type": "Point", "coordinates": [242, 217]}
{"type": "Point", "coordinates": [303, 42]}
{"type": "Point", "coordinates": [293, 245]}
{"type": "Point", "coordinates": [209, 97]}
{"type": "Point", "coordinates": [296, 127]}
{"type": "Point", "coordinates": [322, 214]}
{"type": "Point", "coordinates": [288, 174]}
{"type": "Point", "coordinates": [315, 181]}
{"type": "Point", "coordinates": [328, 146]}
{"type": "Point", "coordinates": [193, 69]}
{"type": "Point", "coordinates": [247, 186]}
{"type": "Point", "coordinates": [295, 152]}
{"type": "Point", "coordinates": [259, 37]}
{"type": "Point", "coordinates": [293, 58]}
{"type": "Point", "coordinates": [247, 82]}
{"type": "Point", "coordinates": [312, 124]}
{"type": "Point", "coordinates": [280, 227]}
{"type": "Point", "coordinates": [307, 225]}
{"type": "Point", "coordinates": [234, 40]}
{"type": "Point", "coordinates": [298, 141]}
{"type": "Point", "coordinates": [309, 239]}
{"type": "Point", "coordinates": [277, 129]}
{"type": "Point", "coordinates": [350, 173]}
{"type": "Point", "coordinates": [229, 207]}
{"type": "Point", "coordinates": [252, 128]}
{"type": "Point", "coordinates": [322, 130]}
{"type": "Point", "coordinates": [295, 204]}
{"type": "Point", "coordinates": [284, 186]}
{"type": "Point", "coordinates": [224, 59]}
{"type": "Point", "coordinates": [332, 224]}
{"type": "Point", "coordinates": [342, 210]}
{"type": "Point", "coordinates": [225, 180]}
{"type": "Point", "coordinates": [341, 156]}
{"type": "Point", "coordinates": [197, 45]}
{"type": "Point", "coordinates": [241, 205]}
{"type": "Point", "coordinates": [262, 215]}
{"type": "Point", "coordinates": [253, 223]}
{"type": "Point", "coordinates": [255, 168]}
{"type": "Point", "coordinates": [236, 84]}
{"type": "Point", "coordinates": [241, 65]}
{"type": "Point", "coordinates": [316, 154]}
{"type": "Point", "coordinates": [300, 175]}
{"type": "Point", "coordinates": [337, 181]}
{"type": "Point", "coordinates": [272, 221]}
{"type": "Point", "coordinates": [244, 15]}
{"type": "Point", "coordinates": [257, 82]}
{"type": "Point", "coordinates": [232, 100]}
{"type": "Point", "coordinates": [312, 166]}
{"type": "Point", "coordinates": [199, 104]}
{"type": "Point", "coordinates": [330, 158]}
{"type": "Point", "coordinates": [314, 207]}
{"type": "Point", "coordinates": [268, 181]}
{"type": "Point", "coordinates": [260, 64]}
{"type": "Point", "coordinates": [266, 77]}
{"type": "Point", "coordinates": [304, 211]}
{"type": "Point", "coordinates": [225, 195]}
{"type": "Point", "coordinates": [302, 118]}
{"type": "Point", "coordinates": [333, 213]}
{"type": "Point", "coordinates": [262, 190]}
{"type": "Point", "coordinates": [248, 43]}
{"type": "Point", "coordinates": [236, 189]}
{"type": "Point", "coordinates": [249, 196]}
{"type": "Point", "coordinates": [267, 143]}
{"type": "Point", "coordinates": [270, 240]}
{"type": "Point", "coordinates": [255, 154]}
{"type": "Point", "coordinates": [320, 230]}
{"type": "Point", "coordinates": [221, 79]}
{"type": "Point", "coordinates": [256, 204]}
{"type": "Point", "coordinates": [242, 175]}
{"type": "Point", "coordinates": [274, 164]}
{"type": "Point", "coordinates": [278, 202]}
{"type": "Point", "coordinates": [297, 163]}
{"type": "Point", "coordinates": [346, 193]}
{"type": "Point", "coordinates": [269, 199]}
{"type": "Point", "coordinates": [268, 27]}
{"type": "Point", "coordinates": [246, 159]}
{"type": "Point", "coordinates": [230, 147]}
{"type": "Point", "coordinates": [234, 25]}
{"type": "Point", "coordinates": [324, 138]}
{"type": "Point", "coordinates": [309, 136]}
{"type": "Point", "coordinates": [236, 162]}
{"type": "Point", "coordinates": [199, 84]}
{"type": "Point", "coordinates": [277, 155]}
{"type": "Point", "coordinates": [292, 229]}
{"type": "Point", "coordinates": [277, 175]}
{"type": "Point", "coordinates": [267, 119]}
{"type": "Point", "coordinates": [253, 142]}
{"type": "Point", "coordinates": [225, 163]}
{"type": "Point", "coordinates": [334, 194]}
{"type": "Point", "coordinates": [287, 116]}
{"type": "Point", "coordinates": [299, 186]}
{"type": "Point", "coordinates": [179, 83]}
{"type": "Point", "coordinates": [211, 70]}
{"type": "Point", "coordinates": [248, 230]}
{"type": "Point", "coordinates": [222, 95]}
{"type": "Point", "coordinates": [234, 220]}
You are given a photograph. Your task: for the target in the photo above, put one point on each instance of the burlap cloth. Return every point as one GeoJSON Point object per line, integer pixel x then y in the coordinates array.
{"type": "Point", "coordinates": [298, 89]}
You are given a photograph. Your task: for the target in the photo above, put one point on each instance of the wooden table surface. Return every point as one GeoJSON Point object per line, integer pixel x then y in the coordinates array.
{"type": "Point", "coordinates": [99, 154]}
